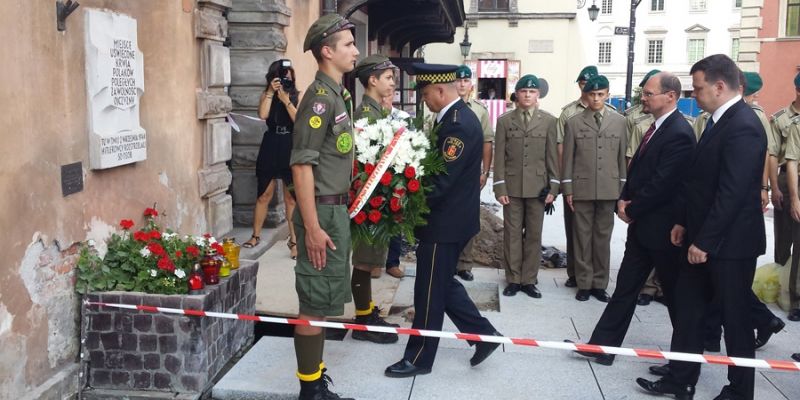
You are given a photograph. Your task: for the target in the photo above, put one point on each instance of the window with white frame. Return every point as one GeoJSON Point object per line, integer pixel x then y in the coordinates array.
{"type": "Point", "coordinates": [698, 5]}
{"type": "Point", "coordinates": [606, 7]}
{"type": "Point", "coordinates": [735, 49]}
{"type": "Point", "coordinates": [604, 53]}
{"type": "Point", "coordinates": [655, 51]}
{"type": "Point", "coordinates": [737, 3]}
{"type": "Point", "coordinates": [696, 50]}
{"type": "Point", "coordinates": [793, 18]}
{"type": "Point", "coordinates": [656, 5]}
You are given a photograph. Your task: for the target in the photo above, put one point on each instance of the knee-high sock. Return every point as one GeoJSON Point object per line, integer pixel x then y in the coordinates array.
{"type": "Point", "coordinates": [361, 286]}
{"type": "Point", "coordinates": [308, 349]}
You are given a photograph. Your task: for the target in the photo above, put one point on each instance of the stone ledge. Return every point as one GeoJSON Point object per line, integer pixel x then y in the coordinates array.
{"type": "Point", "coordinates": [213, 105]}
{"type": "Point", "coordinates": [213, 179]}
{"type": "Point", "coordinates": [210, 25]}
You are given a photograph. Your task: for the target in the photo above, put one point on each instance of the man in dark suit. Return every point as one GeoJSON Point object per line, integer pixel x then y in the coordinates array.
{"type": "Point", "coordinates": [720, 227]}
{"type": "Point", "coordinates": [647, 205]}
{"type": "Point", "coordinates": [453, 220]}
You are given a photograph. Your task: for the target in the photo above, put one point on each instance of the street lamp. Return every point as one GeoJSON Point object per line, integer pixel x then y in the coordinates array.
{"type": "Point", "coordinates": [593, 11]}
{"type": "Point", "coordinates": [465, 44]}
{"type": "Point", "coordinates": [631, 40]}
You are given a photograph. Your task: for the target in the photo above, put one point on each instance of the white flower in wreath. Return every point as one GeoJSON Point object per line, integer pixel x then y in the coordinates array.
{"type": "Point", "coordinates": [179, 273]}
{"type": "Point", "coordinates": [145, 252]}
{"type": "Point", "coordinates": [153, 273]}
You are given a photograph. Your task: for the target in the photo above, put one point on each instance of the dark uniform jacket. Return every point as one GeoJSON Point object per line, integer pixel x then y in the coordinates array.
{"type": "Point", "coordinates": [720, 204]}
{"type": "Point", "coordinates": [455, 198]}
{"type": "Point", "coordinates": [654, 177]}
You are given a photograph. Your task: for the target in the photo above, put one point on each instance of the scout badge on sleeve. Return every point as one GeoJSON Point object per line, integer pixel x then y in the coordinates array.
{"type": "Point", "coordinates": [315, 122]}
{"type": "Point", "coordinates": [319, 108]}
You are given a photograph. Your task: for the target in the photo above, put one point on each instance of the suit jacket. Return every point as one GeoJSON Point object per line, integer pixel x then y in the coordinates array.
{"type": "Point", "coordinates": [594, 158]}
{"type": "Point", "coordinates": [720, 204]}
{"type": "Point", "coordinates": [525, 159]}
{"type": "Point", "coordinates": [654, 177]}
{"type": "Point", "coordinates": [455, 196]}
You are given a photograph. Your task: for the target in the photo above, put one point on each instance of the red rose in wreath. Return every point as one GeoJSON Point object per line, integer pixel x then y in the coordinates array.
{"type": "Point", "coordinates": [126, 224]}
{"type": "Point", "coordinates": [374, 216]}
{"type": "Point", "coordinates": [386, 179]}
{"type": "Point", "coordinates": [360, 217]}
{"type": "Point", "coordinates": [376, 201]}
{"type": "Point", "coordinates": [394, 204]}
{"type": "Point", "coordinates": [410, 172]}
{"type": "Point", "coordinates": [368, 168]}
{"type": "Point", "coordinates": [413, 186]}
{"type": "Point", "coordinates": [399, 192]}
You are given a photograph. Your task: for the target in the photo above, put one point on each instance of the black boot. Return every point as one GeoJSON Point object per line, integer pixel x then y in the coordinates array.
{"type": "Point", "coordinates": [375, 319]}
{"type": "Point", "coordinates": [318, 390]}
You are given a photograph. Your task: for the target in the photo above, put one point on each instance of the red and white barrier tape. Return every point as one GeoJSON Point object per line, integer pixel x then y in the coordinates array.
{"type": "Point", "coordinates": [375, 177]}
{"type": "Point", "coordinates": [640, 353]}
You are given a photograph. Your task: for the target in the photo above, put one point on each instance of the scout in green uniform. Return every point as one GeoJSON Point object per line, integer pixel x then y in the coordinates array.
{"type": "Point", "coordinates": [464, 89]}
{"type": "Point", "coordinates": [376, 73]}
{"type": "Point", "coordinates": [573, 108]}
{"type": "Point", "coordinates": [525, 173]}
{"type": "Point", "coordinates": [594, 173]}
{"type": "Point", "coordinates": [751, 84]}
{"type": "Point", "coordinates": [322, 161]}
{"type": "Point", "coordinates": [638, 121]}
{"type": "Point", "coordinates": [790, 127]}
{"type": "Point", "coordinates": [782, 122]}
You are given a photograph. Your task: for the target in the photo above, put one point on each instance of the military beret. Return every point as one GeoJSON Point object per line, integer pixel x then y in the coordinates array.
{"type": "Point", "coordinates": [325, 26]}
{"type": "Point", "coordinates": [374, 62]}
{"type": "Point", "coordinates": [463, 71]}
{"type": "Point", "coordinates": [527, 82]}
{"type": "Point", "coordinates": [587, 72]}
{"type": "Point", "coordinates": [647, 77]}
{"type": "Point", "coordinates": [598, 82]}
{"type": "Point", "coordinates": [433, 73]}
{"type": "Point", "coordinates": [752, 83]}
{"type": "Point", "coordinates": [797, 80]}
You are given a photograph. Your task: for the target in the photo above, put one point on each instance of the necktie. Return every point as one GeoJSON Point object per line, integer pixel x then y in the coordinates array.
{"type": "Point", "coordinates": [647, 137]}
{"type": "Point", "coordinates": [599, 118]}
{"type": "Point", "coordinates": [709, 125]}
{"type": "Point", "coordinates": [348, 102]}
{"type": "Point", "coordinates": [525, 119]}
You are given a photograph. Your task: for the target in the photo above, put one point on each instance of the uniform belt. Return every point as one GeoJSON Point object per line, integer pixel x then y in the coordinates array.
{"type": "Point", "coordinates": [333, 199]}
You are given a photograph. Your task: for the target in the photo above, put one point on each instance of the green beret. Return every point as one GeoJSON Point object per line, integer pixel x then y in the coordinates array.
{"type": "Point", "coordinates": [647, 77]}
{"type": "Point", "coordinates": [463, 72]}
{"type": "Point", "coordinates": [598, 82]}
{"type": "Point", "coordinates": [587, 72]}
{"type": "Point", "coordinates": [527, 82]}
{"type": "Point", "coordinates": [797, 80]}
{"type": "Point", "coordinates": [323, 27]}
{"type": "Point", "coordinates": [372, 63]}
{"type": "Point", "coordinates": [752, 83]}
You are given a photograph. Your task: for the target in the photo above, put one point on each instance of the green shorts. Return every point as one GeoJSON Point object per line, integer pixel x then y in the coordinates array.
{"type": "Point", "coordinates": [324, 293]}
{"type": "Point", "coordinates": [370, 255]}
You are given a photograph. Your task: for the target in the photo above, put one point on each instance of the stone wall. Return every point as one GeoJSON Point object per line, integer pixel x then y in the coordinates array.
{"type": "Point", "coordinates": [131, 350]}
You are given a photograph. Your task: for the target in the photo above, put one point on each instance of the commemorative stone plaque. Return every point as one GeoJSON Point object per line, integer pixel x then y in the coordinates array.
{"type": "Point", "coordinates": [114, 85]}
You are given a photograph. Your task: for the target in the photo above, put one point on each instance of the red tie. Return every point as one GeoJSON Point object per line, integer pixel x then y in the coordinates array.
{"type": "Point", "coordinates": [647, 137]}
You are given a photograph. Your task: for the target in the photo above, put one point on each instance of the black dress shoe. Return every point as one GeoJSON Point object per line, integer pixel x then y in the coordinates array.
{"type": "Point", "coordinates": [794, 314]}
{"type": "Point", "coordinates": [466, 275]}
{"type": "Point", "coordinates": [644, 299]}
{"type": "Point", "coordinates": [532, 291]}
{"type": "Point", "coordinates": [511, 289]}
{"type": "Point", "coordinates": [571, 282]}
{"type": "Point", "coordinates": [601, 295]}
{"type": "Point", "coordinates": [405, 369]}
{"type": "Point", "coordinates": [582, 295]}
{"type": "Point", "coordinates": [483, 350]}
{"type": "Point", "coordinates": [659, 370]}
{"type": "Point", "coordinates": [764, 333]}
{"type": "Point", "coordinates": [602, 359]}
{"type": "Point", "coordinates": [661, 386]}
{"type": "Point", "coordinates": [796, 357]}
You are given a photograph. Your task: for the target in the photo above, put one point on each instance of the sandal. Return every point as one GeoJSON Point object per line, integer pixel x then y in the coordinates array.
{"type": "Point", "coordinates": [292, 245]}
{"type": "Point", "coordinates": [250, 243]}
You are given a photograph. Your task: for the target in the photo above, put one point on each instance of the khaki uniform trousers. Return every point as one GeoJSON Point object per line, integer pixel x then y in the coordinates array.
{"type": "Point", "coordinates": [568, 217]}
{"type": "Point", "coordinates": [652, 287]}
{"type": "Point", "coordinates": [465, 259]}
{"type": "Point", "coordinates": [782, 223]}
{"type": "Point", "coordinates": [794, 272]}
{"type": "Point", "coordinates": [522, 253]}
{"type": "Point", "coordinates": [591, 232]}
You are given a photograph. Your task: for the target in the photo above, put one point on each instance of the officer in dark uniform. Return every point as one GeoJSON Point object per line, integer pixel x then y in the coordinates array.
{"type": "Point", "coordinates": [454, 202]}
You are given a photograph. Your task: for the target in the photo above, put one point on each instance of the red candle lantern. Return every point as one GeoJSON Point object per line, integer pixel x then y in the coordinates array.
{"type": "Point", "coordinates": [211, 265]}
{"type": "Point", "coordinates": [196, 278]}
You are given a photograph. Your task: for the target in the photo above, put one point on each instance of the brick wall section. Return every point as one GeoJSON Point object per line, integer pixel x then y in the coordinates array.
{"type": "Point", "coordinates": [129, 349]}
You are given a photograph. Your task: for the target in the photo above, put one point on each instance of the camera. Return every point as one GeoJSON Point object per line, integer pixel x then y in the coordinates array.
{"type": "Point", "coordinates": [287, 83]}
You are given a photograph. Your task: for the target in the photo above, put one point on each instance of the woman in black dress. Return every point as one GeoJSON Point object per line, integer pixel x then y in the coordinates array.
{"type": "Point", "coordinates": [278, 106]}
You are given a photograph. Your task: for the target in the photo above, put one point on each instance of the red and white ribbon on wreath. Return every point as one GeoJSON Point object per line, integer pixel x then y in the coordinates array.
{"type": "Point", "coordinates": [375, 177]}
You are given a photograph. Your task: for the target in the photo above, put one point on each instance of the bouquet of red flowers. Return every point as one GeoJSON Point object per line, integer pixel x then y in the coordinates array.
{"type": "Point", "coordinates": [388, 191]}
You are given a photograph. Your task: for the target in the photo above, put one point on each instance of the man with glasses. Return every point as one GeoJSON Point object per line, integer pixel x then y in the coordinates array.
{"type": "Point", "coordinates": [646, 202]}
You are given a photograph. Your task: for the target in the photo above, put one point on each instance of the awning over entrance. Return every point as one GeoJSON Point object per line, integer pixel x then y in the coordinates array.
{"type": "Point", "coordinates": [412, 22]}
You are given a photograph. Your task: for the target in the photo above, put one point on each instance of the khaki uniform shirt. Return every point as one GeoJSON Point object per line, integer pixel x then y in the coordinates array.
{"type": "Point", "coordinates": [638, 123]}
{"type": "Point", "coordinates": [525, 158]}
{"type": "Point", "coordinates": [323, 136]}
{"type": "Point", "coordinates": [594, 158]}
{"type": "Point", "coordinates": [483, 115]}
{"type": "Point", "coordinates": [576, 107]}
{"type": "Point", "coordinates": [781, 124]}
{"type": "Point", "coordinates": [773, 147]}
{"type": "Point", "coordinates": [369, 108]}
{"type": "Point", "coordinates": [793, 139]}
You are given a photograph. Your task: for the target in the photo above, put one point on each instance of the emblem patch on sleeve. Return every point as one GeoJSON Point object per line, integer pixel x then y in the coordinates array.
{"type": "Point", "coordinates": [322, 92]}
{"type": "Point", "coordinates": [315, 122]}
{"type": "Point", "coordinates": [452, 148]}
{"type": "Point", "coordinates": [344, 143]}
{"type": "Point", "coordinates": [319, 108]}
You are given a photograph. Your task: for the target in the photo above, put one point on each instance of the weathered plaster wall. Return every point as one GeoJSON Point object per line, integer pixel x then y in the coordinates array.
{"type": "Point", "coordinates": [44, 126]}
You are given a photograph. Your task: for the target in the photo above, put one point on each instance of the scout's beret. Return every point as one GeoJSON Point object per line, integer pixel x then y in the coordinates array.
{"type": "Point", "coordinates": [797, 80]}
{"type": "Point", "coordinates": [647, 77]}
{"type": "Point", "coordinates": [463, 71]}
{"type": "Point", "coordinates": [528, 81]}
{"type": "Point", "coordinates": [598, 82]}
{"type": "Point", "coordinates": [374, 62]}
{"type": "Point", "coordinates": [323, 27]}
{"type": "Point", "coordinates": [752, 83]}
{"type": "Point", "coordinates": [433, 73]}
{"type": "Point", "coordinates": [587, 72]}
